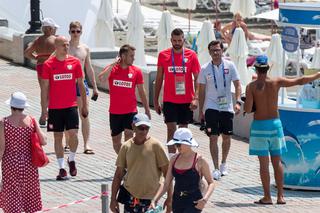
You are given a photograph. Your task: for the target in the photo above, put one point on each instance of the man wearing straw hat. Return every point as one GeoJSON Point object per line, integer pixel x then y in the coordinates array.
{"type": "Point", "coordinates": [266, 134]}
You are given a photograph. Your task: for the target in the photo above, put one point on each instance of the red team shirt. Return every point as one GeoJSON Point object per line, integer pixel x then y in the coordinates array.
{"type": "Point", "coordinates": [191, 66]}
{"type": "Point", "coordinates": [122, 87]}
{"type": "Point", "coordinates": [62, 77]}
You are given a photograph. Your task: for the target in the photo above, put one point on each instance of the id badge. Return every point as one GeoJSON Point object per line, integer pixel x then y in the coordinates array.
{"type": "Point", "coordinates": [222, 102]}
{"type": "Point", "coordinates": [180, 85]}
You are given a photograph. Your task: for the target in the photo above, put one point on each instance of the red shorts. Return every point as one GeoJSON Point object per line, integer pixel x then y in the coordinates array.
{"type": "Point", "coordinates": [39, 69]}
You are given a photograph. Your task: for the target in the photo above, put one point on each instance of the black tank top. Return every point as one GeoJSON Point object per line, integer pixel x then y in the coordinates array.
{"type": "Point", "coordinates": [186, 188]}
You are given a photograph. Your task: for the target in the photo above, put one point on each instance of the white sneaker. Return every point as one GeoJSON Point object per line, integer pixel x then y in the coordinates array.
{"type": "Point", "coordinates": [224, 169]}
{"type": "Point", "coordinates": [216, 174]}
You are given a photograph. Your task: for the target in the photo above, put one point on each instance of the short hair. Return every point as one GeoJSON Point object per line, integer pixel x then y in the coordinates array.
{"type": "Point", "coordinates": [16, 109]}
{"type": "Point", "coordinates": [214, 43]}
{"type": "Point", "coordinates": [75, 24]}
{"type": "Point", "coordinates": [125, 48]}
{"type": "Point", "coordinates": [177, 32]}
{"type": "Point", "coordinates": [262, 69]}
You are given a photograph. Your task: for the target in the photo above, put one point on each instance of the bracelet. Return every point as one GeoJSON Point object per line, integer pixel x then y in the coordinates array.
{"type": "Point", "coordinates": [239, 102]}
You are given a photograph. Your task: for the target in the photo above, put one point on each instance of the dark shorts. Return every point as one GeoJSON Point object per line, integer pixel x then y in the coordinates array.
{"type": "Point", "coordinates": [179, 113]}
{"type": "Point", "coordinates": [190, 209]}
{"type": "Point", "coordinates": [86, 86]}
{"type": "Point", "coordinates": [120, 122]}
{"type": "Point", "coordinates": [60, 120]}
{"type": "Point", "coordinates": [219, 122]}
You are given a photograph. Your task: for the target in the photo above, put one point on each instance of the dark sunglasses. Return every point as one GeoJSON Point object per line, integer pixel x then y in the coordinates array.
{"type": "Point", "coordinates": [75, 31]}
{"type": "Point", "coordinates": [143, 128]}
{"type": "Point", "coordinates": [177, 145]}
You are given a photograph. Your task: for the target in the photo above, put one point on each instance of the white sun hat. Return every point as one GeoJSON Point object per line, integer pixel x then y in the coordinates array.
{"type": "Point", "coordinates": [18, 100]}
{"type": "Point", "coordinates": [183, 136]}
{"type": "Point", "coordinates": [49, 22]}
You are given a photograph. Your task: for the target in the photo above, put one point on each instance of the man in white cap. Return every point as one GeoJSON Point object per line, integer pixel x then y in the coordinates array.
{"type": "Point", "coordinates": [140, 163]}
{"type": "Point", "coordinates": [40, 50]}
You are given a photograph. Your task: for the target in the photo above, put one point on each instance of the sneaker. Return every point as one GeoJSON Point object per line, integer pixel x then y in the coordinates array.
{"type": "Point", "coordinates": [224, 169]}
{"type": "Point", "coordinates": [216, 174]}
{"type": "Point", "coordinates": [62, 175]}
{"type": "Point", "coordinates": [67, 149]}
{"type": "Point", "coordinates": [72, 168]}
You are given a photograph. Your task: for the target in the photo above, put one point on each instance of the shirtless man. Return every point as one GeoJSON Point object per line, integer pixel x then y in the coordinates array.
{"type": "Point", "coordinates": [82, 52]}
{"type": "Point", "coordinates": [266, 134]}
{"type": "Point", "coordinates": [40, 50]}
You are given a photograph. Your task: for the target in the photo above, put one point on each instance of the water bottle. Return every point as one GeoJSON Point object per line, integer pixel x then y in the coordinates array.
{"type": "Point", "coordinates": [158, 209]}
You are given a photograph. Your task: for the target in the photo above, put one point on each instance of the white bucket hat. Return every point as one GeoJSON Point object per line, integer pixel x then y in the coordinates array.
{"type": "Point", "coordinates": [183, 136]}
{"type": "Point", "coordinates": [17, 100]}
{"type": "Point", "coordinates": [49, 22]}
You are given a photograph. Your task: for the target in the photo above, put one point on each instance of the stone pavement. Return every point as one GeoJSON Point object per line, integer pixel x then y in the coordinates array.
{"type": "Point", "coordinates": [234, 193]}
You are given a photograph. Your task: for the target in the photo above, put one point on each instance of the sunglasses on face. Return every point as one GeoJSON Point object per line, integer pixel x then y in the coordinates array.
{"type": "Point", "coordinates": [178, 145]}
{"type": "Point", "coordinates": [75, 31]}
{"type": "Point", "coordinates": [143, 128]}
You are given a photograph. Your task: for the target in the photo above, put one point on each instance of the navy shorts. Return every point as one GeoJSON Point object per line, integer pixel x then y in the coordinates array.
{"type": "Point", "coordinates": [120, 122]}
{"type": "Point", "coordinates": [60, 120]}
{"type": "Point", "coordinates": [218, 122]}
{"type": "Point", "coordinates": [178, 113]}
{"type": "Point", "coordinates": [86, 86]}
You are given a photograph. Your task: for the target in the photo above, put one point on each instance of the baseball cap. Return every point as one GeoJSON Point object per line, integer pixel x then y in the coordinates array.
{"type": "Point", "coordinates": [183, 136]}
{"type": "Point", "coordinates": [49, 22]}
{"type": "Point", "coordinates": [17, 100]}
{"type": "Point", "coordinates": [141, 119]}
{"type": "Point", "coordinates": [261, 61]}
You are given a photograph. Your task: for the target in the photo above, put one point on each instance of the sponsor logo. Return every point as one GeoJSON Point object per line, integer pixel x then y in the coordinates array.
{"type": "Point", "coordinates": [226, 71]}
{"type": "Point", "coordinates": [178, 69]}
{"type": "Point", "coordinates": [69, 66]}
{"type": "Point", "coordinates": [119, 83]}
{"type": "Point", "coordinates": [62, 77]}
{"type": "Point", "coordinates": [186, 60]}
{"type": "Point", "coordinates": [130, 75]}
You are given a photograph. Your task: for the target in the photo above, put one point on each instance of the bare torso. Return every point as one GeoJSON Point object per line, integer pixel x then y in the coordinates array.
{"type": "Point", "coordinates": [44, 47]}
{"type": "Point", "coordinates": [80, 51]}
{"type": "Point", "coordinates": [265, 97]}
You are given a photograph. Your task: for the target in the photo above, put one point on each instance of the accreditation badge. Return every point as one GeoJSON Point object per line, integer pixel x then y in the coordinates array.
{"type": "Point", "coordinates": [180, 84]}
{"type": "Point", "coordinates": [222, 102]}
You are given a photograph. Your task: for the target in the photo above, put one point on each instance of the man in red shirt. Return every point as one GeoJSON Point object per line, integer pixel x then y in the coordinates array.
{"type": "Point", "coordinates": [179, 68]}
{"type": "Point", "coordinates": [61, 73]}
{"type": "Point", "coordinates": [124, 78]}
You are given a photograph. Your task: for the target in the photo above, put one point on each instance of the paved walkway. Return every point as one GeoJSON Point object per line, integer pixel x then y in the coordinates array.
{"type": "Point", "coordinates": [234, 193]}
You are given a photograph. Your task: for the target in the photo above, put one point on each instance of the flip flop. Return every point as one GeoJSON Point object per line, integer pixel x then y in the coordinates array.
{"type": "Point", "coordinates": [261, 202]}
{"type": "Point", "coordinates": [281, 202]}
{"type": "Point", "coordinates": [88, 152]}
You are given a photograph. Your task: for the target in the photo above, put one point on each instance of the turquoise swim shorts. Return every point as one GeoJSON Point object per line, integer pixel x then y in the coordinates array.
{"type": "Point", "coordinates": [266, 136]}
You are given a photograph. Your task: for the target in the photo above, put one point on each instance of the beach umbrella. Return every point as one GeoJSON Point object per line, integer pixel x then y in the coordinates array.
{"type": "Point", "coordinates": [275, 56]}
{"type": "Point", "coordinates": [315, 64]}
{"type": "Point", "coordinates": [246, 8]}
{"type": "Point", "coordinates": [164, 31]}
{"type": "Point", "coordinates": [135, 34]}
{"type": "Point", "coordinates": [187, 5]}
{"type": "Point", "coordinates": [104, 25]}
{"type": "Point", "coordinates": [206, 35]}
{"type": "Point", "coordinates": [238, 51]}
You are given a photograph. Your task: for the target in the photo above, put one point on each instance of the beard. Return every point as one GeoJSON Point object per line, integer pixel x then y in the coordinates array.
{"type": "Point", "coordinates": [177, 47]}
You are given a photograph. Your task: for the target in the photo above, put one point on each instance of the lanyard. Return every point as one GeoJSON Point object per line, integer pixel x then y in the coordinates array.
{"type": "Point", "coordinates": [214, 76]}
{"type": "Point", "coordinates": [173, 64]}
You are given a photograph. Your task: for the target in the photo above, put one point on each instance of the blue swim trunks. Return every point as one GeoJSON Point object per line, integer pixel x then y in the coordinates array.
{"type": "Point", "coordinates": [266, 136]}
{"type": "Point", "coordinates": [86, 86]}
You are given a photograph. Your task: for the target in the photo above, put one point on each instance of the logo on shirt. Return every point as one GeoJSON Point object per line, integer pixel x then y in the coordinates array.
{"type": "Point", "coordinates": [178, 69]}
{"type": "Point", "coordinates": [226, 71]}
{"type": "Point", "coordinates": [69, 66]}
{"type": "Point", "coordinates": [119, 83]}
{"type": "Point", "coordinates": [62, 77]}
{"type": "Point", "coordinates": [130, 75]}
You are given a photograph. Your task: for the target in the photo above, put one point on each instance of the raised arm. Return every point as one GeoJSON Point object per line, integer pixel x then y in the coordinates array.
{"type": "Point", "coordinates": [107, 69]}
{"type": "Point", "coordinates": [287, 82]}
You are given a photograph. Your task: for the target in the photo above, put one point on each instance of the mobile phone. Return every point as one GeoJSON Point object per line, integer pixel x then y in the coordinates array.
{"type": "Point", "coordinates": [94, 97]}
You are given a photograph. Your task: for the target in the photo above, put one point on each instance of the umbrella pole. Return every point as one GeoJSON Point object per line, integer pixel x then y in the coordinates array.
{"type": "Point", "coordinates": [163, 5]}
{"type": "Point", "coordinates": [216, 10]}
{"type": "Point", "coordinates": [189, 17]}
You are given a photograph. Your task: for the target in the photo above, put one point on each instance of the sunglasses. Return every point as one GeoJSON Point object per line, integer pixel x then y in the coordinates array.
{"type": "Point", "coordinates": [75, 31]}
{"type": "Point", "coordinates": [178, 145]}
{"type": "Point", "coordinates": [143, 128]}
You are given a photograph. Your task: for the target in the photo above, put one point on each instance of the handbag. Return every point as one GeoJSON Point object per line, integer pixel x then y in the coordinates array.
{"type": "Point", "coordinates": [38, 156]}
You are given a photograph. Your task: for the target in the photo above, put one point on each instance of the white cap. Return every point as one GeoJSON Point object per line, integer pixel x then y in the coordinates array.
{"type": "Point", "coordinates": [183, 136]}
{"type": "Point", "coordinates": [18, 100]}
{"type": "Point", "coordinates": [49, 22]}
{"type": "Point", "coordinates": [141, 119]}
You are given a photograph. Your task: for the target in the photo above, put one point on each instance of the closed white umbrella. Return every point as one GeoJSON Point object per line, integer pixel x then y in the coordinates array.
{"type": "Point", "coordinates": [187, 5]}
{"type": "Point", "coordinates": [206, 35]}
{"type": "Point", "coordinates": [275, 56]}
{"type": "Point", "coordinates": [135, 35]}
{"type": "Point", "coordinates": [104, 25]}
{"type": "Point", "coordinates": [164, 31]}
{"type": "Point", "coordinates": [238, 51]}
{"type": "Point", "coordinates": [315, 64]}
{"type": "Point", "coordinates": [246, 8]}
